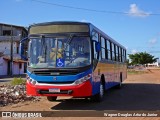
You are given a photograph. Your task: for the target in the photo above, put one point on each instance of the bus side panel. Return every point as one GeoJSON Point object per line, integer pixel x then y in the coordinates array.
{"type": "Point", "coordinates": [95, 81]}
{"type": "Point", "coordinates": [106, 69]}
{"type": "Point", "coordinates": [111, 72]}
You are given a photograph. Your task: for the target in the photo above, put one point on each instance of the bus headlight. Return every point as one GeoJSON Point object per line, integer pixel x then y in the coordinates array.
{"type": "Point", "coordinates": [33, 82]}
{"type": "Point", "coordinates": [30, 80]}
{"type": "Point", "coordinates": [83, 79]}
{"type": "Point", "coordinates": [27, 78]}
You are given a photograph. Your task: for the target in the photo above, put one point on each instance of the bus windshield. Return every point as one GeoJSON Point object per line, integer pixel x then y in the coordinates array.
{"type": "Point", "coordinates": [59, 52]}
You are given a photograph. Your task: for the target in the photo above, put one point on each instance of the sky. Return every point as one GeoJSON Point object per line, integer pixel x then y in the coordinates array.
{"type": "Point", "coordinates": [133, 23]}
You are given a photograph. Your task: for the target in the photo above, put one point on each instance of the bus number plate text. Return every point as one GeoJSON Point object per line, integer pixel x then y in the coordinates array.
{"type": "Point", "coordinates": [54, 90]}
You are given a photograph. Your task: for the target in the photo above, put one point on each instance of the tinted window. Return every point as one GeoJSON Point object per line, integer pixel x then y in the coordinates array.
{"type": "Point", "coordinates": [113, 51]}
{"type": "Point", "coordinates": [95, 37]}
{"type": "Point", "coordinates": [108, 49]}
{"type": "Point", "coordinates": [103, 48]}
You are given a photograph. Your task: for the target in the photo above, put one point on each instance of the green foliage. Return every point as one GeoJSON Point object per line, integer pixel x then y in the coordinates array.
{"type": "Point", "coordinates": [141, 58]}
{"type": "Point", "coordinates": [18, 81]}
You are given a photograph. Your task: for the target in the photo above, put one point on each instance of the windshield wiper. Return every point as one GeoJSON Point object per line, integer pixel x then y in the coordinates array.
{"type": "Point", "coordinates": [68, 41]}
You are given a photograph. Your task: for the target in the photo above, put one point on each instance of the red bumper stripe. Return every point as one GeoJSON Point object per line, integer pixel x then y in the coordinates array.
{"type": "Point", "coordinates": [82, 90]}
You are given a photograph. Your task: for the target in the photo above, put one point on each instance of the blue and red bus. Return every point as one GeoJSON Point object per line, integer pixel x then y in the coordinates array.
{"type": "Point", "coordinates": [73, 59]}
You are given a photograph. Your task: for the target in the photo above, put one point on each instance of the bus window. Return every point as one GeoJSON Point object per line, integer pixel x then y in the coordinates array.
{"type": "Point", "coordinates": [108, 50]}
{"type": "Point", "coordinates": [113, 51]}
{"type": "Point", "coordinates": [95, 37]}
{"type": "Point", "coordinates": [116, 48]}
{"type": "Point", "coordinates": [123, 55]}
{"type": "Point", "coordinates": [103, 48]}
{"type": "Point", "coordinates": [120, 55]}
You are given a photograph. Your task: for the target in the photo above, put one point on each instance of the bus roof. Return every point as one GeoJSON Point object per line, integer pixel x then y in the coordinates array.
{"type": "Point", "coordinates": [91, 27]}
{"type": "Point", "coordinates": [59, 23]}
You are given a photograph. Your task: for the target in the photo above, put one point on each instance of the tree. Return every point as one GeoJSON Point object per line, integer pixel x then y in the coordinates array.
{"type": "Point", "coordinates": [141, 58]}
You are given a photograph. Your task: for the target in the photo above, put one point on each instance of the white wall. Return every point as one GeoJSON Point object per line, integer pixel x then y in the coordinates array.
{"type": "Point", "coordinates": [154, 64]}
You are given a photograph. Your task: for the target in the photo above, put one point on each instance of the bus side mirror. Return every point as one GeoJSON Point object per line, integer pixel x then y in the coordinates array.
{"type": "Point", "coordinates": [98, 47]}
{"type": "Point", "coordinates": [22, 50]}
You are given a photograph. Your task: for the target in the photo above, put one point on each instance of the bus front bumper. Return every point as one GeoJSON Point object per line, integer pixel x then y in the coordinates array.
{"type": "Point", "coordinates": [82, 90]}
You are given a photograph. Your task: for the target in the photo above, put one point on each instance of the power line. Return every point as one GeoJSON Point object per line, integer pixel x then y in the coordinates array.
{"type": "Point", "coordinates": [93, 10]}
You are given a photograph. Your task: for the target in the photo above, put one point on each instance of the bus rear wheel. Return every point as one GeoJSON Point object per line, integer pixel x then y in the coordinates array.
{"type": "Point", "coordinates": [51, 98]}
{"type": "Point", "coordinates": [120, 82]}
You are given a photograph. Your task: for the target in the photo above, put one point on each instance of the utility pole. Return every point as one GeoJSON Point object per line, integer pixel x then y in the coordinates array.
{"type": "Point", "coordinates": [11, 53]}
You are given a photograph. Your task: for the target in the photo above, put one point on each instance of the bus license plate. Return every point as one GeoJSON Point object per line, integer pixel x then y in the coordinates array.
{"type": "Point", "coordinates": [54, 90]}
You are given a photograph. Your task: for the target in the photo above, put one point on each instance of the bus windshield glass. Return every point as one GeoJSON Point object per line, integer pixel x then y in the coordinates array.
{"type": "Point", "coordinates": [59, 52]}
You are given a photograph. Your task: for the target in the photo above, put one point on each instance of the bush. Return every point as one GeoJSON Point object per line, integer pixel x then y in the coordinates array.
{"type": "Point", "coordinates": [18, 81]}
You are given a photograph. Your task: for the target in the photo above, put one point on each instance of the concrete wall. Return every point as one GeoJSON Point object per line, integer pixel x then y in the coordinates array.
{"type": "Point", "coordinates": [6, 47]}
{"type": "Point", "coordinates": [16, 31]}
{"type": "Point", "coordinates": [3, 66]}
{"type": "Point", "coordinates": [16, 69]}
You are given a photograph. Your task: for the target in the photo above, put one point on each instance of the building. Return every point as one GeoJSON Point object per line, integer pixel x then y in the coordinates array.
{"type": "Point", "coordinates": [155, 64]}
{"type": "Point", "coordinates": [10, 37]}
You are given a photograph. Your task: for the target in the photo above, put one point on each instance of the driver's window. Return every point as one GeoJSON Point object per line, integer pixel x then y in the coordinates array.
{"type": "Point", "coordinates": [95, 38]}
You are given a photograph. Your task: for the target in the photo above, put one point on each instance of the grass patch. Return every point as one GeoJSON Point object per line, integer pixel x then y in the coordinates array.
{"type": "Point", "coordinates": [18, 81]}
{"type": "Point", "coordinates": [136, 72]}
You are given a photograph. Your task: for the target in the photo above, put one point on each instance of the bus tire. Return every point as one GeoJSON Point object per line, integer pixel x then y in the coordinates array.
{"type": "Point", "coordinates": [120, 82]}
{"type": "Point", "coordinates": [99, 97]}
{"type": "Point", "coordinates": [51, 98]}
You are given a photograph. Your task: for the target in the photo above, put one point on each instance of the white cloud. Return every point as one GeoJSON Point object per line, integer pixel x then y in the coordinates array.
{"type": "Point", "coordinates": [136, 12]}
{"type": "Point", "coordinates": [134, 51]}
{"type": "Point", "coordinates": [153, 41]}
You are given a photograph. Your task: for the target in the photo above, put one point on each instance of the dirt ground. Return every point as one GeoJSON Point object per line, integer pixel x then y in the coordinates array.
{"type": "Point", "coordinates": [140, 93]}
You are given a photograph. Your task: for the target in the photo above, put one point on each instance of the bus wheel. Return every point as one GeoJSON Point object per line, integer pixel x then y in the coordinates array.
{"type": "Point", "coordinates": [120, 82]}
{"type": "Point", "coordinates": [51, 98]}
{"type": "Point", "coordinates": [119, 85]}
{"type": "Point", "coordinates": [99, 97]}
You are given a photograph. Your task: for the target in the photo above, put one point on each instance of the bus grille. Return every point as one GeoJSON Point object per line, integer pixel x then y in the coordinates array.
{"type": "Point", "coordinates": [61, 92]}
{"type": "Point", "coordinates": [54, 73]}
{"type": "Point", "coordinates": [64, 82]}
